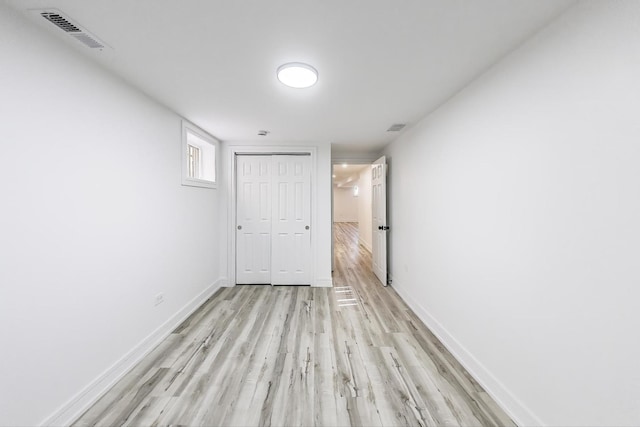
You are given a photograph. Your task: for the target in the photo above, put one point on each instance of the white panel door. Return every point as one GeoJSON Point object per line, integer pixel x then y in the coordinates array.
{"type": "Point", "coordinates": [253, 219]}
{"type": "Point", "coordinates": [379, 220]}
{"type": "Point", "coordinates": [291, 220]}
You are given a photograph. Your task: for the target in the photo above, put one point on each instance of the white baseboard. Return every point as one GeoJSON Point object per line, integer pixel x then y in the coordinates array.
{"type": "Point", "coordinates": [323, 283]}
{"type": "Point", "coordinates": [518, 412]}
{"type": "Point", "coordinates": [78, 404]}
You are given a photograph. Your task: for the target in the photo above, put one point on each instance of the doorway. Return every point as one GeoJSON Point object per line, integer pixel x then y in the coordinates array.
{"type": "Point", "coordinates": [359, 204]}
{"type": "Point", "coordinates": [352, 199]}
{"type": "Point", "coordinates": [272, 217]}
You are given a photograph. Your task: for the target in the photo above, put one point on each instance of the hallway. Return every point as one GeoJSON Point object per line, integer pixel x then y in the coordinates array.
{"type": "Point", "coordinates": [353, 354]}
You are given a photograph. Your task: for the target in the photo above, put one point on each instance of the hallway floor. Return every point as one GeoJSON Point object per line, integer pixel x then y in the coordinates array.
{"type": "Point", "coordinates": [353, 354]}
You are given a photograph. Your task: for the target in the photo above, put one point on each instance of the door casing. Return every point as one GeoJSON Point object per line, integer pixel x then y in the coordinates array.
{"type": "Point", "coordinates": [233, 150]}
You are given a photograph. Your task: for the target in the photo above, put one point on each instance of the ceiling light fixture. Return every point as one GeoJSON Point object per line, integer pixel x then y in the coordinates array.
{"type": "Point", "coordinates": [297, 75]}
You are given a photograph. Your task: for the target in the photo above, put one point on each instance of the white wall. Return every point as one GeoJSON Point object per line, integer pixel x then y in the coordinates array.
{"type": "Point", "coordinates": [345, 205]}
{"type": "Point", "coordinates": [94, 223]}
{"type": "Point", "coordinates": [515, 214]}
{"type": "Point", "coordinates": [364, 208]}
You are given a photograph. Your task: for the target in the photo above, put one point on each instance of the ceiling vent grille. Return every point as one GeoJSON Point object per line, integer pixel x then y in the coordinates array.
{"type": "Point", "coordinates": [397, 127]}
{"type": "Point", "coordinates": [88, 40]}
{"type": "Point", "coordinates": [58, 19]}
{"type": "Point", "coordinates": [60, 22]}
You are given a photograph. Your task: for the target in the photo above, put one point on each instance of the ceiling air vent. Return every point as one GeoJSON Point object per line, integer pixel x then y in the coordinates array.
{"type": "Point", "coordinates": [60, 21]}
{"type": "Point", "coordinates": [88, 40]}
{"type": "Point", "coordinates": [67, 25]}
{"type": "Point", "coordinates": [397, 127]}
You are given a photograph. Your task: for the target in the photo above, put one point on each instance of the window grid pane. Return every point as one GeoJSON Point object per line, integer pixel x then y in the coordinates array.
{"type": "Point", "coordinates": [194, 161]}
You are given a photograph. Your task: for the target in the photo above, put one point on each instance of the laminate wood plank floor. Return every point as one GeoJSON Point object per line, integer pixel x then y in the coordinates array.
{"type": "Point", "coordinates": [351, 355]}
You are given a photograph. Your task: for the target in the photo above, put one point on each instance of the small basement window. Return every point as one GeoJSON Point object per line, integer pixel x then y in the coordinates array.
{"type": "Point", "coordinates": [199, 151]}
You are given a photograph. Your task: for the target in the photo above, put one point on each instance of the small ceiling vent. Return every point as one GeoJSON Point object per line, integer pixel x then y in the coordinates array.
{"type": "Point", "coordinates": [397, 127]}
{"type": "Point", "coordinates": [60, 21]}
{"type": "Point", "coordinates": [67, 25]}
{"type": "Point", "coordinates": [88, 40]}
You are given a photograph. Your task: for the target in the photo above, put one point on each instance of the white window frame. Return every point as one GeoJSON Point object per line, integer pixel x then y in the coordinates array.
{"type": "Point", "coordinates": [205, 138]}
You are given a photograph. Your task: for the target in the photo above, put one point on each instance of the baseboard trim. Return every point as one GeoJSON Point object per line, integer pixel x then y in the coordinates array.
{"type": "Point", "coordinates": [517, 410]}
{"type": "Point", "coordinates": [78, 404]}
{"type": "Point", "coordinates": [323, 283]}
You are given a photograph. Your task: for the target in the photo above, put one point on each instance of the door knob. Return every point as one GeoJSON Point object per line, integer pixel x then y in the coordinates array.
{"type": "Point", "coordinates": [239, 227]}
{"type": "Point", "coordinates": [306, 227]}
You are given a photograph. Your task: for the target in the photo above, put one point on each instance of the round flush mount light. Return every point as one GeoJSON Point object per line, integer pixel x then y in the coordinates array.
{"type": "Point", "coordinates": [297, 75]}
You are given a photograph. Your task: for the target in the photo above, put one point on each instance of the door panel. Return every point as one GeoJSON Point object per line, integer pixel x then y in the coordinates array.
{"type": "Point", "coordinates": [379, 222]}
{"type": "Point", "coordinates": [291, 249]}
{"type": "Point", "coordinates": [273, 213]}
{"type": "Point", "coordinates": [253, 220]}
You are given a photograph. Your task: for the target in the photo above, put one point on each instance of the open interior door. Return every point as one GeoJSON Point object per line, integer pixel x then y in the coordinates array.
{"type": "Point", "coordinates": [379, 220]}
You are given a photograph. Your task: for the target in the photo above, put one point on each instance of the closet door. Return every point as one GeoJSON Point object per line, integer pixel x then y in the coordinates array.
{"type": "Point", "coordinates": [291, 221]}
{"type": "Point", "coordinates": [253, 219]}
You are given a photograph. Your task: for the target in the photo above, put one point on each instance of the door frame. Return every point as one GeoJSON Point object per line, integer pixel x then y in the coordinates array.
{"type": "Point", "coordinates": [270, 150]}
{"type": "Point", "coordinates": [338, 161]}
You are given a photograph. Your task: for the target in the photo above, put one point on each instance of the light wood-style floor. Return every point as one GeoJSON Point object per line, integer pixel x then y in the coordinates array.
{"type": "Point", "coordinates": [354, 355]}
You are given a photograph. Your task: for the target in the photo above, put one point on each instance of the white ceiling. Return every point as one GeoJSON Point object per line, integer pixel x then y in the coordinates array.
{"type": "Point", "coordinates": [345, 175]}
{"type": "Point", "coordinates": [379, 61]}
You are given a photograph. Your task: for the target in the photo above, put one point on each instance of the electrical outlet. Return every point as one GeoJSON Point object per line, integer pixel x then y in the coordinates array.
{"type": "Point", "coordinates": [159, 298]}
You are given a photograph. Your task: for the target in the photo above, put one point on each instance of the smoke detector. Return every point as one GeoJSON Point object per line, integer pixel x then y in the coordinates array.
{"type": "Point", "coordinates": [71, 28]}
